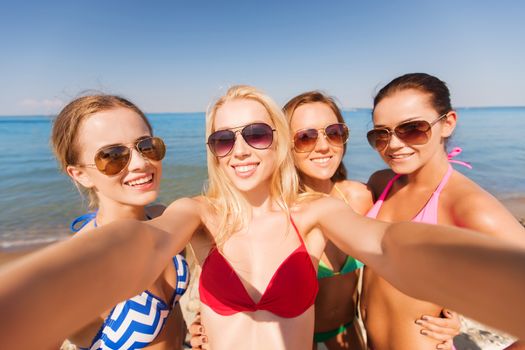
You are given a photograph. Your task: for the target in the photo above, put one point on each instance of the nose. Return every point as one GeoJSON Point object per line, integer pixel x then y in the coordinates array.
{"type": "Point", "coordinates": [321, 145]}
{"type": "Point", "coordinates": [240, 148]}
{"type": "Point", "coordinates": [395, 142]}
{"type": "Point", "coordinates": [137, 161]}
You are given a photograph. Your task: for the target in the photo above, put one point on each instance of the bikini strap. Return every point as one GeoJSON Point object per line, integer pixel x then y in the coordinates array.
{"type": "Point", "coordinates": [444, 180]}
{"type": "Point", "coordinates": [82, 220]}
{"type": "Point", "coordinates": [456, 151]}
{"type": "Point", "coordinates": [297, 231]}
{"type": "Point", "coordinates": [388, 187]}
{"type": "Point", "coordinates": [374, 211]}
{"type": "Point", "coordinates": [341, 194]}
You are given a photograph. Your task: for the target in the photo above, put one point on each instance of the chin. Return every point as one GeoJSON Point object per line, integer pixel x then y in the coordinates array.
{"type": "Point", "coordinates": [320, 174]}
{"type": "Point", "coordinates": [403, 169]}
{"type": "Point", "coordinates": [144, 199]}
{"type": "Point", "coordinates": [245, 187]}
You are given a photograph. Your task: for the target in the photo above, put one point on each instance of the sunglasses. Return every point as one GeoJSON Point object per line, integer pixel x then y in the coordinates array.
{"type": "Point", "coordinates": [414, 132]}
{"type": "Point", "coordinates": [305, 140]}
{"type": "Point", "coordinates": [111, 160]}
{"type": "Point", "coordinates": [256, 135]}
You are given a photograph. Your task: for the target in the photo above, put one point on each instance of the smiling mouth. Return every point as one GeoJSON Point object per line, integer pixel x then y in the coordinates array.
{"type": "Point", "coordinates": [323, 160]}
{"type": "Point", "coordinates": [400, 156]}
{"type": "Point", "coordinates": [140, 181]}
{"type": "Point", "coordinates": [245, 170]}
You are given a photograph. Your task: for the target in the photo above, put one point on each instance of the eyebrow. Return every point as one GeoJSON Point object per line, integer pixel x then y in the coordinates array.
{"type": "Point", "coordinates": [140, 138]}
{"type": "Point", "coordinates": [401, 122]}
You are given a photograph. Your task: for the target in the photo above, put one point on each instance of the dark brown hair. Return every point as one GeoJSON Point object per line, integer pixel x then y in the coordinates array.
{"type": "Point", "coordinates": [425, 83]}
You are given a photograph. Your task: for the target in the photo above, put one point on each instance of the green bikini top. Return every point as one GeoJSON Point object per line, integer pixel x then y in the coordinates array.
{"type": "Point", "coordinates": [350, 264]}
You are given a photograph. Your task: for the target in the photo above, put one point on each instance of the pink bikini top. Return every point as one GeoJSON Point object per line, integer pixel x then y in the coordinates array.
{"type": "Point", "coordinates": [429, 213]}
{"type": "Point", "coordinates": [291, 291]}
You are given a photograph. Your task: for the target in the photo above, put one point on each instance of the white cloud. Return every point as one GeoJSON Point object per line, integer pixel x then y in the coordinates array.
{"type": "Point", "coordinates": [41, 106]}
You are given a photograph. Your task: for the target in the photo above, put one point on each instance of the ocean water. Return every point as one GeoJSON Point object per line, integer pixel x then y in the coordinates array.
{"type": "Point", "coordinates": [37, 202]}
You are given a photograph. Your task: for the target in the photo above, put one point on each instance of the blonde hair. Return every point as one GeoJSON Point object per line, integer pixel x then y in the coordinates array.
{"type": "Point", "coordinates": [234, 211]}
{"type": "Point", "coordinates": [64, 136]}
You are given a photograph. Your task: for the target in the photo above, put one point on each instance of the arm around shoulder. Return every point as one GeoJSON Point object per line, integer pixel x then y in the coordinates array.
{"type": "Point", "coordinates": [181, 219]}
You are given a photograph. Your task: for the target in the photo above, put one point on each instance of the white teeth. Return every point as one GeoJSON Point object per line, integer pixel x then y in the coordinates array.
{"type": "Point", "coordinates": [140, 181]}
{"type": "Point", "coordinates": [321, 160]}
{"type": "Point", "coordinates": [245, 168]}
{"type": "Point", "coordinates": [400, 156]}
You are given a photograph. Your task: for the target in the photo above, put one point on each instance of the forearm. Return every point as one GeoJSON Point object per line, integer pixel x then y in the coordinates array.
{"type": "Point", "coordinates": [476, 275]}
{"type": "Point", "coordinates": [55, 291]}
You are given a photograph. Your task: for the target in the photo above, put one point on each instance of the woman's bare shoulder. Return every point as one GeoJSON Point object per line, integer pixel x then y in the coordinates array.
{"type": "Point", "coordinates": [358, 195]}
{"type": "Point", "coordinates": [187, 203]}
{"type": "Point", "coordinates": [473, 207]}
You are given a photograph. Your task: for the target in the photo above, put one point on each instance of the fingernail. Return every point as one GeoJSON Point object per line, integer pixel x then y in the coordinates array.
{"type": "Point", "coordinates": [425, 318]}
{"type": "Point", "coordinates": [424, 332]}
{"type": "Point", "coordinates": [419, 322]}
{"type": "Point", "coordinates": [201, 330]}
{"type": "Point", "coordinates": [204, 340]}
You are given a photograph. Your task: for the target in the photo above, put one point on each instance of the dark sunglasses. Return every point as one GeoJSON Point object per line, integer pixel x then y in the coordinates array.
{"type": "Point", "coordinates": [256, 135]}
{"type": "Point", "coordinates": [305, 140]}
{"type": "Point", "coordinates": [111, 160]}
{"type": "Point", "coordinates": [414, 132]}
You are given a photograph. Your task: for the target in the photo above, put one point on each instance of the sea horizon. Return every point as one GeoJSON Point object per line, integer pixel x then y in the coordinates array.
{"type": "Point", "coordinates": [38, 201]}
{"type": "Point", "coordinates": [343, 109]}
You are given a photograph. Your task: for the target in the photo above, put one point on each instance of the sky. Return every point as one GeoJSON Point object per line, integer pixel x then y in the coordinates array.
{"type": "Point", "coordinates": [177, 56]}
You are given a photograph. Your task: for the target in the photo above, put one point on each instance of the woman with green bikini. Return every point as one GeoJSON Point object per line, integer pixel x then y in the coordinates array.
{"type": "Point", "coordinates": [319, 140]}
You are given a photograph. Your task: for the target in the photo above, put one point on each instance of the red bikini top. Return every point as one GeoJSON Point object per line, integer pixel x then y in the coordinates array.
{"type": "Point", "coordinates": [291, 291]}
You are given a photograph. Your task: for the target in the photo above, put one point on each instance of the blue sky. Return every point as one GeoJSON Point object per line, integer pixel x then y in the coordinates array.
{"type": "Point", "coordinates": [176, 56]}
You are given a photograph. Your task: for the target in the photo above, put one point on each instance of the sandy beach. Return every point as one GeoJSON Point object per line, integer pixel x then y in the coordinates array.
{"type": "Point", "coordinates": [473, 336]}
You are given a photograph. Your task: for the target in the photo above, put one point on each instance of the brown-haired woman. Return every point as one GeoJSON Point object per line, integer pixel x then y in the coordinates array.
{"type": "Point", "coordinates": [413, 118]}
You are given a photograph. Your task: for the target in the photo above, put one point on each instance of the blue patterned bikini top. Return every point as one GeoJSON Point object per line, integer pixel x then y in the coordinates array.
{"type": "Point", "coordinates": [134, 323]}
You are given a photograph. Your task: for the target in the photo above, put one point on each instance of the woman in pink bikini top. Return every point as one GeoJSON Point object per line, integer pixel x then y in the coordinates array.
{"type": "Point", "coordinates": [413, 119]}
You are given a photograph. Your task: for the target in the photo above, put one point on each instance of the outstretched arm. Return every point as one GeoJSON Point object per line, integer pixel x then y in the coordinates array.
{"type": "Point", "coordinates": [55, 291]}
{"type": "Point", "coordinates": [445, 265]}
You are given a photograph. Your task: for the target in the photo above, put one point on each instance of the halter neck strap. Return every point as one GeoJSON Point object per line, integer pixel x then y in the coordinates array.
{"type": "Point", "coordinates": [456, 151]}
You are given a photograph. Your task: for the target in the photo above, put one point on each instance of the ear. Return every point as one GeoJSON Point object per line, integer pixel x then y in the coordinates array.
{"type": "Point", "coordinates": [449, 124]}
{"type": "Point", "coordinates": [79, 175]}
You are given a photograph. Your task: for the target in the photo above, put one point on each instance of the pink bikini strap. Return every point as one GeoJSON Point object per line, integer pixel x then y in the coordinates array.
{"type": "Point", "coordinates": [387, 188]}
{"type": "Point", "coordinates": [444, 180]}
{"type": "Point", "coordinates": [456, 151]}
